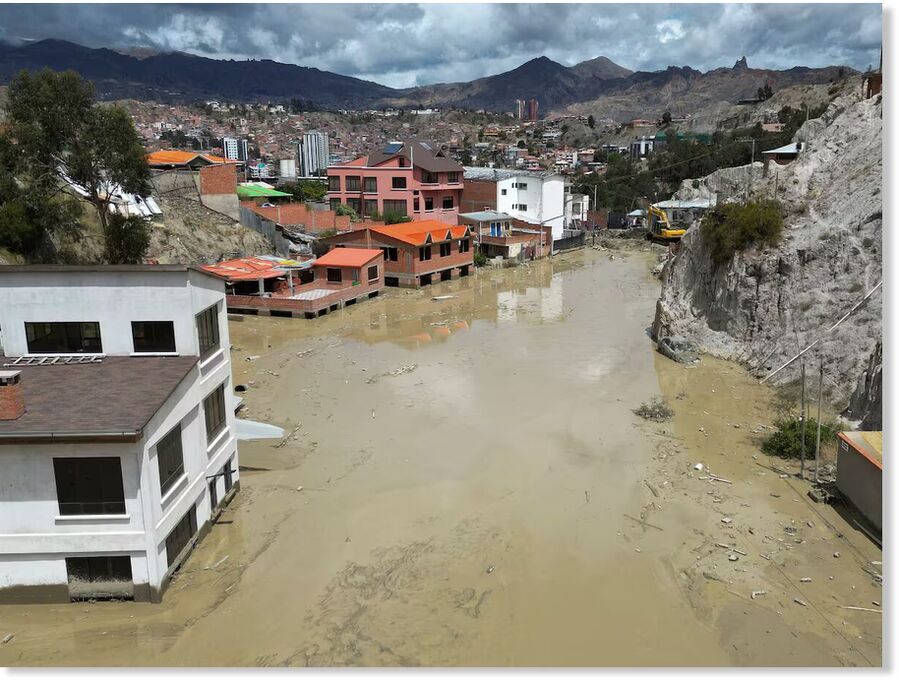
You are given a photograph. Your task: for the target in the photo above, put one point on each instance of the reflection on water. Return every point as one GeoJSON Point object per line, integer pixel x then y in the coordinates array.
{"type": "Point", "coordinates": [412, 319]}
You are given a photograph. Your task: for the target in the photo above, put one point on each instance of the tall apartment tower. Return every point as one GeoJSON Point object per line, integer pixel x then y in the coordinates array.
{"type": "Point", "coordinates": [314, 153]}
{"type": "Point", "coordinates": [235, 149]}
{"type": "Point", "coordinates": [532, 109]}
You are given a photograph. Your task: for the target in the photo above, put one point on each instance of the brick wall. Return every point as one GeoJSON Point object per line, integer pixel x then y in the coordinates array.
{"type": "Point", "coordinates": [476, 195]}
{"type": "Point", "coordinates": [218, 179]}
{"type": "Point", "coordinates": [301, 216]}
{"type": "Point", "coordinates": [12, 402]}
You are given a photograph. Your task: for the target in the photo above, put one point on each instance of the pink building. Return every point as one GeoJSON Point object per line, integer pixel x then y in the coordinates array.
{"type": "Point", "coordinates": [408, 178]}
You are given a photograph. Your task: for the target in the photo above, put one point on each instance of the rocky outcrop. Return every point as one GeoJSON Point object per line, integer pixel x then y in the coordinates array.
{"type": "Point", "coordinates": [765, 305]}
{"type": "Point", "coordinates": [865, 405]}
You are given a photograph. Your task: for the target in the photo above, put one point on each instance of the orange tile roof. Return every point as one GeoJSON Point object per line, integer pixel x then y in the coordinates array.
{"type": "Point", "coordinates": [348, 257]}
{"type": "Point", "coordinates": [417, 232]}
{"type": "Point", "coordinates": [173, 157]}
{"type": "Point", "coordinates": [245, 269]}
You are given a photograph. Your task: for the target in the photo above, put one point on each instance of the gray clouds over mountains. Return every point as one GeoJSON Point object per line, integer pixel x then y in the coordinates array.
{"type": "Point", "coordinates": [417, 44]}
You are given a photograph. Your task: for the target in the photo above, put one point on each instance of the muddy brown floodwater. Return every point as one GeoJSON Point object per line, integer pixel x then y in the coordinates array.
{"type": "Point", "coordinates": [464, 483]}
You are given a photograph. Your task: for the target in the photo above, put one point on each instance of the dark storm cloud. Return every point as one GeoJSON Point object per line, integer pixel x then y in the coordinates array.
{"type": "Point", "coordinates": [403, 45]}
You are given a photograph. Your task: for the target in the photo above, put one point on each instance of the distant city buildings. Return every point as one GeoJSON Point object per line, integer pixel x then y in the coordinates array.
{"type": "Point", "coordinates": [526, 110]}
{"type": "Point", "coordinates": [314, 153]}
{"type": "Point", "coordinates": [235, 149]}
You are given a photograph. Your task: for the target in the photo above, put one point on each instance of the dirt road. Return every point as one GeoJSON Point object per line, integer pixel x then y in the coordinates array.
{"type": "Point", "coordinates": [465, 483]}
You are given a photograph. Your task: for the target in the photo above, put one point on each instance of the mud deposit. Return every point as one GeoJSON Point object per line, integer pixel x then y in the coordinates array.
{"type": "Point", "coordinates": [464, 483]}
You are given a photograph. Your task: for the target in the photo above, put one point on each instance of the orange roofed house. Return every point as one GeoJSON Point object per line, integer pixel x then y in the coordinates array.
{"type": "Point", "coordinates": [415, 253]}
{"type": "Point", "coordinates": [285, 288]}
{"type": "Point", "coordinates": [413, 179]}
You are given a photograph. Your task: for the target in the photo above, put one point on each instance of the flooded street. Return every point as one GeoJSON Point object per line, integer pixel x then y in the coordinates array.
{"type": "Point", "coordinates": [464, 483]}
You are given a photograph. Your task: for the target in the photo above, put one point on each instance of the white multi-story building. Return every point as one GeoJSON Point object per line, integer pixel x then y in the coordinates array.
{"type": "Point", "coordinates": [576, 208]}
{"type": "Point", "coordinates": [535, 197]}
{"type": "Point", "coordinates": [117, 441]}
{"type": "Point", "coordinates": [314, 152]}
{"type": "Point", "coordinates": [235, 149]}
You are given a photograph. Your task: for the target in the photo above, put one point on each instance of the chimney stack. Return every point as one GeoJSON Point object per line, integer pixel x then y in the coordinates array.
{"type": "Point", "coordinates": [12, 400]}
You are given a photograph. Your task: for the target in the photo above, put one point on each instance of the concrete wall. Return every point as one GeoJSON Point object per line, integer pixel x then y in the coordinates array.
{"type": "Point", "coordinates": [114, 299]}
{"type": "Point", "coordinates": [861, 483]}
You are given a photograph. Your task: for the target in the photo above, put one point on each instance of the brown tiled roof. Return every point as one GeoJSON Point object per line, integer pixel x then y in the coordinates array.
{"type": "Point", "coordinates": [423, 156]}
{"type": "Point", "coordinates": [109, 400]}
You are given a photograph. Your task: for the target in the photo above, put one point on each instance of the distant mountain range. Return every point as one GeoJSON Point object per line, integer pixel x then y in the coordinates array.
{"type": "Point", "coordinates": [598, 86]}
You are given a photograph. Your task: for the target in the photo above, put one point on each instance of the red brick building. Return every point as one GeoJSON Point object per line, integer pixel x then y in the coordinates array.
{"type": "Point", "coordinates": [416, 253]}
{"type": "Point", "coordinates": [342, 277]}
{"type": "Point", "coordinates": [301, 217]}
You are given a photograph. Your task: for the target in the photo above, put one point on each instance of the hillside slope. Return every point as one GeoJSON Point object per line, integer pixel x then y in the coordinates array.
{"type": "Point", "coordinates": [765, 305]}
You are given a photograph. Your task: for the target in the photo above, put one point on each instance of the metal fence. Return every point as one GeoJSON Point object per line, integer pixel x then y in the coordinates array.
{"type": "Point", "coordinates": [574, 242]}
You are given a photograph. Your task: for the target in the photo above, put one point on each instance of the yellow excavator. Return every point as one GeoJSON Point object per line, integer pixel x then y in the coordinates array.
{"type": "Point", "coordinates": [667, 221]}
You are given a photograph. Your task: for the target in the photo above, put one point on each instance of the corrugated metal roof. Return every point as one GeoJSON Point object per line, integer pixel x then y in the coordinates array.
{"type": "Point", "coordinates": [685, 203]}
{"type": "Point", "coordinates": [485, 216]}
{"type": "Point", "coordinates": [495, 174]}
{"type": "Point", "coordinates": [254, 191]}
{"type": "Point", "coordinates": [792, 148]}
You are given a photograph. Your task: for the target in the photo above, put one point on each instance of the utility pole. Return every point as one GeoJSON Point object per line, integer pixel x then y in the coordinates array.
{"type": "Point", "coordinates": [802, 424]}
{"type": "Point", "coordinates": [818, 442]}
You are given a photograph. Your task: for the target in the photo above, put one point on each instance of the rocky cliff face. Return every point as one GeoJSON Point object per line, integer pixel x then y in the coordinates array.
{"type": "Point", "coordinates": [763, 306]}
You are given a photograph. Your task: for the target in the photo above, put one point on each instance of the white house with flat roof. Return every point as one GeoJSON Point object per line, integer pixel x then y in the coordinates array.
{"type": "Point", "coordinates": [536, 197]}
{"type": "Point", "coordinates": [117, 442]}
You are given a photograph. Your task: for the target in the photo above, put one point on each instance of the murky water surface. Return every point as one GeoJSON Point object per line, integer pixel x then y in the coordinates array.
{"type": "Point", "coordinates": [464, 483]}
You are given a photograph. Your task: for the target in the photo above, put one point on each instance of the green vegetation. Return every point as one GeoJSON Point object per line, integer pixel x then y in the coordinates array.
{"type": "Point", "coordinates": [786, 442]}
{"type": "Point", "coordinates": [735, 227]}
{"type": "Point", "coordinates": [57, 138]}
{"type": "Point", "coordinates": [343, 209]}
{"type": "Point", "coordinates": [628, 184]}
{"type": "Point", "coordinates": [305, 190]}
{"type": "Point", "coordinates": [125, 239]}
{"type": "Point", "coordinates": [480, 260]}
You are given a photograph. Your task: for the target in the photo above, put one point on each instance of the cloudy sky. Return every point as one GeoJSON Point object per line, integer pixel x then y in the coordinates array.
{"type": "Point", "coordinates": [415, 44]}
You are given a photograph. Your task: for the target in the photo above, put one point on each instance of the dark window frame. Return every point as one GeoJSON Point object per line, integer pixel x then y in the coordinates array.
{"type": "Point", "coordinates": [400, 206]}
{"type": "Point", "coordinates": [429, 203]}
{"type": "Point", "coordinates": [170, 459]}
{"type": "Point", "coordinates": [152, 341]}
{"type": "Point", "coordinates": [452, 177]}
{"type": "Point", "coordinates": [215, 413]}
{"type": "Point", "coordinates": [373, 277]}
{"type": "Point", "coordinates": [333, 183]}
{"type": "Point", "coordinates": [330, 275]}
{"type": "Point", "coordinates": [75, 476]}
{"type": "Point", "coordinates": [424, 252]}
{"type": "Point", "coordinates": [76, 338]}
{"type": "Point", "coordinates": [180, 536]}
{"type": "Point", "coordinates": [208, 333]}
{"type": "Point", "coordinates": [398, 182]}
{"type": "Point", "coordinates": [391, 253]}
{"type": "Point", "coordinates": [353, 183]}
{"type": "Point", "coordinates": [446, 249]}
{"type": "Point", "coordinates": [370, 185]}
{"type": "Point", "coordinates": [451, 203]}
{"type": "Point", "coordinates": [429, 178]}
{"type": "Point", "coordinates": [464, 245]}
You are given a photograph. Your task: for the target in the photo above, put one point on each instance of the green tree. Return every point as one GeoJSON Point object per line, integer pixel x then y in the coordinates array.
{"type": "Point", "coordinates": [666, 118]}
{"type": "Point", "coordinates": [125, 239]}
{"type": "Point", "coordinates": [305, 190]}
{"type": "Point", "coordinates": [65, 141]}
{"type": "Point", "coordinates": [591, 121]}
